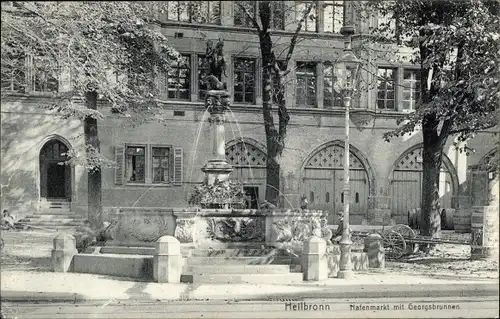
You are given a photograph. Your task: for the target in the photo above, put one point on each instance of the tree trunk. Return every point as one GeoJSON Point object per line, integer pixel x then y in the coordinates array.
{"type": "Point", "coordinates": [93, 175]}
{"type": "Point", "coordinates": [274, 139]}
{"type": "Point", "coordinates": [430, 221]}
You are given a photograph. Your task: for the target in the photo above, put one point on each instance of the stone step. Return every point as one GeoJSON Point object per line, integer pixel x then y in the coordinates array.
{"type": "Point", "coordinates": [234, 245]}
{"type": "Point", "coordinates": [55, 212]}
{"type": "Point", "coordinates": [248, 278]}
{"type": "Point", "coordinates": [54, 228]}
{"type": "Point", "coordinates": [55, 205]}
{"type": "Point", "coordinates": [60, 215]}
{"type": "Point", "coordinates": [51, 223]}
{"type": "Point", "coordinates": [231, 252]}
{"type": "Point", "coordinates": [228, 261]}
{"type": "Point", "coordinates": [239, 269]}
{"type": "Point", "coordinates": [54, 220]}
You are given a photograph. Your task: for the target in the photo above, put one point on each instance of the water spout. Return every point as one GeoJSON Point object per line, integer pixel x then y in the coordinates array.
{"type": "Point", "coordinates": [281, 194]}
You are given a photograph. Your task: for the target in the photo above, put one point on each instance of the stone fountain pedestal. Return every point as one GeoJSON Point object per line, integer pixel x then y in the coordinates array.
{"type": "Point", "coordinates": [217, 168]}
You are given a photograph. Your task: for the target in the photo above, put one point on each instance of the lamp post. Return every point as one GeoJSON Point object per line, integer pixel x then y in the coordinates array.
{"type": "Point", "coordinates": [347, 68]}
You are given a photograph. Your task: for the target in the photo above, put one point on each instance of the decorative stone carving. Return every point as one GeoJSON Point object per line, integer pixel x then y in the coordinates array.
{"type": "Point", "coordinates": [281, 231]}
{"type": "Point", "coordinates": [217, 102]}
{"type": "Point", "coordinates": [299, 229]}
{"type": "Point", "coordinates": [184, 230]}
{"type": "Point", "coordinates": [142, 228]}
{"type": "Point", "coordinates": [326, 232]}
{"type": "Point", "coordinates": [236, 229]}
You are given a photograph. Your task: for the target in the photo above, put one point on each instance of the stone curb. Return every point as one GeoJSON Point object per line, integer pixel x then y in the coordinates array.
{"type": "Point", "coordinates": [358, 291]}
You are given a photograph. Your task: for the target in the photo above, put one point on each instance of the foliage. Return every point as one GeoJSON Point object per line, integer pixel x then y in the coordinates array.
{"type": "Point", "coordinates": [456, 44]}
{"type": "Point", "coordinates": [218, 193]}
{"type": "Point", "coordinates": [112, 48]}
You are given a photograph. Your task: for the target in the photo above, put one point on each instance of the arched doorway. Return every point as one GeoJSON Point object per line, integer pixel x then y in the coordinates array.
{"type": "Point", "coordinates": [249, 168]}
{"type": "Point", "coordinates": [323, 182]}
{"type": "Point", "coordinates": [55, 177]}
{"type": "Point", "coordinates": [406, 183]}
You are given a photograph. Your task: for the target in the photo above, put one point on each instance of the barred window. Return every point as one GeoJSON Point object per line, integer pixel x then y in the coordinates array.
{"type": "Point", "coordinates": [29, 73]}
{"type": "Point", "coordinates": [306, 84]}
{"type": "Point", "coordinates": [310, 21]}
{"type": "Point", "coordinates": [204, 12]}
{"type": "Point", "coordinates": [333, 16]}
{"type": "Point", "coordinates": [385, 88]}
{"type": "Point", "coordinates": [202, 73]}
{"type": "Point", "coordinates": [330, 97]}
{"type": "Point", "coordinates": [411, 89]}
{"type": "Point", "coordinates": [178, 79]}
{"type": "Point", "coordinates": [242, 19]}
{"type": "Point", "coordinates": [244, 80]}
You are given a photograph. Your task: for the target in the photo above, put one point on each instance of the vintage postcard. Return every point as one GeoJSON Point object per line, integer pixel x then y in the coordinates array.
{"type": "Point", "coordinates": [250, 159]}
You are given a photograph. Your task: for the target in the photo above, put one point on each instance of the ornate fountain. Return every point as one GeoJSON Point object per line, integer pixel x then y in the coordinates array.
{"type": "Point", "coordinates": [228, 222]}
{"type": "Point", "coordinates": [216, 215]}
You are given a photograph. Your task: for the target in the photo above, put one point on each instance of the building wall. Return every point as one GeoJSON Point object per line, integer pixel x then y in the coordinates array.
{"type": "Point", "coordinates": [26, 127]}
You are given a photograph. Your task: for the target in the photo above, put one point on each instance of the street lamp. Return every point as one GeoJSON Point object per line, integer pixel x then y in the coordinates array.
{"type": "Point", "coordinates": [347, 69]}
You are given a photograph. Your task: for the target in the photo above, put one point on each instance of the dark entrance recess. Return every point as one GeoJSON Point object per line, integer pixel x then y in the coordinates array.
{"type": "Point", "coordinates": [55, 176]}
{"type": "Point", "coordinates": [252, 193]}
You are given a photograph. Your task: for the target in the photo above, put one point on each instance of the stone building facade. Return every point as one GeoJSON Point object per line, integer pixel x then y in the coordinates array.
{"type": "Point", "coordinates": [159, 162]}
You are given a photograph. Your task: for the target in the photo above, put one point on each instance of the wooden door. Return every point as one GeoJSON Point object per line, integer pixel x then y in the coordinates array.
{"type": "Point", "coordinates": [318, 188]}
{"type": "Point", "coordinates": [406, 194]}
{"type": "Point", "coordinates": [56, 180]}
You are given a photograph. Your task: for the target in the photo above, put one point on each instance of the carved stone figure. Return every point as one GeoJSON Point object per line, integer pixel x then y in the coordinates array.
{"type": "Point", "coordinates": [326, 232]}
{"type": "Point", "coordinates": [282, 231]}
{"type": "Point", "coordinates": [236, 229]}
{"type": "Point", "coordinates": [216, 66]}
{"type": "Point", "coordinates": [316, 227]}
{"type": "Point", "coordinates": [184, 230]}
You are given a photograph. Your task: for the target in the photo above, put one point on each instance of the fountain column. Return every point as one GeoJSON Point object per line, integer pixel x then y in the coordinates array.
{"type": "Point", "coordinates": [217, 168]}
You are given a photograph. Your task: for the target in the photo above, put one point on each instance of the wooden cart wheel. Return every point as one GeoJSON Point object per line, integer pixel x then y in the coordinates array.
{"type": "Point", "coordinates": [408, 234]}
{"type": "Point", "coordinates": [394, 244]}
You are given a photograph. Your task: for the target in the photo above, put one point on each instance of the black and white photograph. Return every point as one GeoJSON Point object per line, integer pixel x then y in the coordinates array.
{"type": "Point", "coordinates": [250, 159]}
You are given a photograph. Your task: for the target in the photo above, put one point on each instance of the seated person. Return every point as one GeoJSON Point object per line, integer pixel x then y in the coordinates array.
{"type": "Point", "coordinates": [337, 236]}
{"type": "Point", "coordinates": [7, 220]}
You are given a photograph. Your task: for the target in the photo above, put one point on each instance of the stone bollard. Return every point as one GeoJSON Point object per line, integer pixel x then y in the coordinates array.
{"type": "Point", "coordinates": [374, 248]}
{"type": "Point", "coordinates": [315, 259]}
{"type": "Point", "coordinates": [167, 260]}
{"type": "Point", "coordinates": [63, 252]}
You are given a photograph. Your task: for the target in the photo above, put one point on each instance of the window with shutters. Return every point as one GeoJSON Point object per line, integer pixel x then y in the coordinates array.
{"type": "Point", "coordinates": [149, 164]}
{"type": "Point", "coordinates": [135, 164]}
{"type": "Point", "coordinates": [161, 164]}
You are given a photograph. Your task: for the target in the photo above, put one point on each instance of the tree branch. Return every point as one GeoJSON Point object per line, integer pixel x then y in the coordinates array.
{"type": "Point", "coordinates": [465, 129]}
{"type": "Point", "coordinates": [293, 41]}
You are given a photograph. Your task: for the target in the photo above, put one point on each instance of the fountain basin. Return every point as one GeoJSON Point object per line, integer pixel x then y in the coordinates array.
{"type": "Point", "coordinates": [142, 226]}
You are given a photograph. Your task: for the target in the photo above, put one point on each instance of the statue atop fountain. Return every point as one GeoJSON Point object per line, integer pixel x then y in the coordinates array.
{"type": "Point", "coordinates": [216, 102]}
